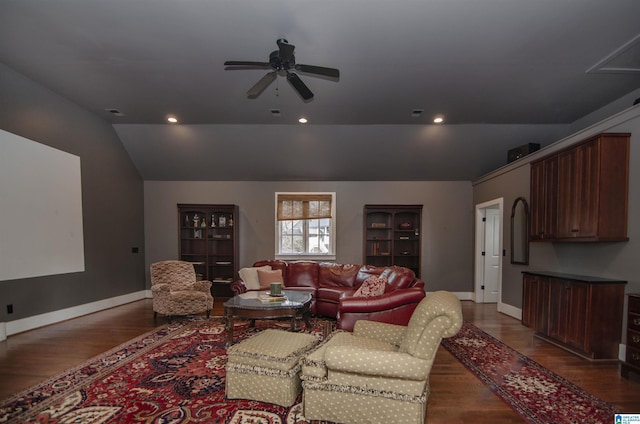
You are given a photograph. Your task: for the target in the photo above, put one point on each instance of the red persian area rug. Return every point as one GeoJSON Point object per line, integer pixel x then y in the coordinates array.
{"type": "Point", "coordinates": [174, 374]}
{"type": "Point", "coordinates": [536, 393]}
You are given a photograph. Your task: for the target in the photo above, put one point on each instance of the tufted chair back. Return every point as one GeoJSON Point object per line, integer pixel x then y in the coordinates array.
{"type": "Point", "coordinates": [439, 316]}
{"type": "Point", "coordinates": [177, 274]}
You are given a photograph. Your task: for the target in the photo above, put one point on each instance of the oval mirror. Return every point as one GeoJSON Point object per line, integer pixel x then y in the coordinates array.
{"type": "Point", "coordinates": [520, 232]}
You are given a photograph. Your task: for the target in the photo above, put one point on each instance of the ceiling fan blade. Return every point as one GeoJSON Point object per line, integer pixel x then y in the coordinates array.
{"type": "Point", "coordinates": [286, 50]}
{"type": "Point", "coordinates": [319, 70]}
{"type": "Point", "coordinates": [261, 85]}
{"type": "Point", "coordinates": [247, 63]}
{"type": "Point", "coordinates": [300, 86]}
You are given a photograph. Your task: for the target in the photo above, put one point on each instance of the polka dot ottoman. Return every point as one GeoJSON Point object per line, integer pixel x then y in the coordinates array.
{"type": "Point", "coordinates": [266, 366]}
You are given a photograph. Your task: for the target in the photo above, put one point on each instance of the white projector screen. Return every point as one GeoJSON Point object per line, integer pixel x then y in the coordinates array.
{"type": "Point", "coordinates": [40, 210]}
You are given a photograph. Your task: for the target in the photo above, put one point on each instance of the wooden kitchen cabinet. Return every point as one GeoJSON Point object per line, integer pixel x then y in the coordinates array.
{"type": "Point", "coordinates": [544, 199]}
{"type": "Point", "coordinates": [581, 193]}
{"type": "Point", "coordinates": [632, 360]}
{"type": "Point", "coordinates": [578, 313]}
{"type": "Point", "coordinates": [535, 302]}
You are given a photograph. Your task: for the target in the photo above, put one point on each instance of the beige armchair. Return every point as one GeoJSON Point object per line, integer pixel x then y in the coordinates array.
{"type": "Point", "coordinates": [380, 372]}
{"type": "Point", "coordinates": [176, 291]}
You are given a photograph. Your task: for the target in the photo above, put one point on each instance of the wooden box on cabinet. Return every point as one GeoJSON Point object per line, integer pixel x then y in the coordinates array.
{"type": "Point", "coordinates": [208, 237]}
{"type": "Point", "coordinates": [632, 360]}
{"type": "Point", "coordinates": [392, 236]}
{"type": "Point", "coordinates": [578, 313]}
{"type": "Point", "coordinates": [581, 193]}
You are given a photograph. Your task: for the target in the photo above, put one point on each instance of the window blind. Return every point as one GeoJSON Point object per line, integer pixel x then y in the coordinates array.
{"type": "Point", "coordinates": [303, 206]}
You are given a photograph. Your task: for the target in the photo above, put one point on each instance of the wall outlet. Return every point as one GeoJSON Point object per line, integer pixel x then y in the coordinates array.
{"type": "Point", "coordinates": [134, 250]}
{"type": "Point", "coordinates": [10, 308]}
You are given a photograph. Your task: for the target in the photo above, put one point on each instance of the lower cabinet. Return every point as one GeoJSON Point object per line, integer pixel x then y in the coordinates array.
{"type": "Point", "coordinates": [632, 362]}
{"type": "Point", "coordinates": [578, 313]}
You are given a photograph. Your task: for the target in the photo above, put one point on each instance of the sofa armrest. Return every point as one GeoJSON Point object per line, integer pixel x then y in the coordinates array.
{"type": "Point", "coordinates": [238, 287]}
{"type": "Point", "coordinates": [376, 363]}
{"type": "Point", "coordinates": [418, 283]}
{"type": "Point", "coordinates": [394, 307]}
{"type": "Point", "coordinates": [385, 301]}
{"type": "Point", "coordinates": [390, 333]}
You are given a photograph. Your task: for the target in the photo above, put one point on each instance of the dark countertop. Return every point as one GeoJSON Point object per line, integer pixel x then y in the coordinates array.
{"type": "Point", "coordinates": [575, 277]}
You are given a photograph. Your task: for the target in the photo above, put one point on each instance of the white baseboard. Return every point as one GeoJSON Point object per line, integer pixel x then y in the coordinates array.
{"type": "Point", "coordinates": [3, 331]}
{"type": "Point", "coordinates": [512, 311]}
{"type": "Point", "coordinates": [29, 323]}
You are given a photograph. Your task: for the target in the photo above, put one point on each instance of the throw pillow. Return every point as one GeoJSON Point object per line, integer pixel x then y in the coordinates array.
{"type": "Point", "coordinates": [372, 286]}
{"type": "Point", "coordinates": [266, 277]}
{"type": "Point", "coordinates": [250, 276]}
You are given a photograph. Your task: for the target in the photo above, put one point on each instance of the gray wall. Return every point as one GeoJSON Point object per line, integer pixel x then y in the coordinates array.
{"type": "Point", "coordinates": [447, 220]}
{"type": "Point", "coordinates": [112, 200]}
{"type": "Point", "coordinates": [609, 260]}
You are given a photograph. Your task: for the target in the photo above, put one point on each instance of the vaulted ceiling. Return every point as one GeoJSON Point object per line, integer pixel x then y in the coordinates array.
{"type": "Point", "coordinates": [502, 72]}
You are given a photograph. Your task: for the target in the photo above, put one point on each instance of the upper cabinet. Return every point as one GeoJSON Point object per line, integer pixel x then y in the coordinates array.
{"type": "Point", "coordinates": [392, 236]}
{"type": "Point", "coordinates": [581, 193]}
{"type": "Point", "coordinates": [544, 199]}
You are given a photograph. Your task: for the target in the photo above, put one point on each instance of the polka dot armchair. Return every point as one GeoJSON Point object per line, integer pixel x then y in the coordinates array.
{"type": "Point", "coordinates": [176, 291]}
{"type": "Point", "coordinates": [380, 372]}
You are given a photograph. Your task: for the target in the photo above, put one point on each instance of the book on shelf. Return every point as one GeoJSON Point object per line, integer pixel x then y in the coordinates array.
{"type": "Point", "coordinates": [267, 298]}
{"type": "Point", "coordinates": [222, 280]}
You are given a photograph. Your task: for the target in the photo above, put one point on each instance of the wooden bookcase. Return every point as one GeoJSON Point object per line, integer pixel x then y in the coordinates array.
{"type": "Point", "coordinates": [392, 236]}
{"type": "Point", "coordinates": [208, 237]}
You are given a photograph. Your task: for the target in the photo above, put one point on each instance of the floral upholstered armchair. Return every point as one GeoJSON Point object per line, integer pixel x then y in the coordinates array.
{"type": "Point", "coordinates": [176, 291]}
{"type": "Point", "coordinates": [380, 372]}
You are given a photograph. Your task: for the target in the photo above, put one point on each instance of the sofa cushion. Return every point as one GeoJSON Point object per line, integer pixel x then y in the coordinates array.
{"type": "Point", "coordinates": [372, 286]}
{"type": "Point", "coordinates": [302, 274]}
{"type": "Point", "coordinates": [338, 275]}
{"type": "Point", "coordinates": [266, 277]}
{"type": "Point", "coordinates": [398, 277]}
{"type": "Point", "coordinates": [250, 276]}
{"type": "Point", "coordinates": [334, 294]}
{"type": "Point", "coordinates": [367, 271]}
{"type": "Point", "coordinates": [275, 265]}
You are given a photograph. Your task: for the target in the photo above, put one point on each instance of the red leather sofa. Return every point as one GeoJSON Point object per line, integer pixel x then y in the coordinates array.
{"type": "Point", "coordinates": [333, 285]}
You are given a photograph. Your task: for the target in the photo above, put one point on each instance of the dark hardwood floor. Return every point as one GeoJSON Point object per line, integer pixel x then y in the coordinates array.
{"type": "Point", "coordinates": [457, 396]}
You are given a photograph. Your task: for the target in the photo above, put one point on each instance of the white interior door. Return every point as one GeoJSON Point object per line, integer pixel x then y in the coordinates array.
{"type": "Point", "coordinates": [492, 252]}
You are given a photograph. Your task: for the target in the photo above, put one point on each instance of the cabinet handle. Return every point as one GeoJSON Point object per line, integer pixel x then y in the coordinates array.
{"type": "Point", "coordinates": [635, 338]}
{"type": "Point", "coordinates": [636, 321]}
{"type": "Point", "coordinates": [575, 230]}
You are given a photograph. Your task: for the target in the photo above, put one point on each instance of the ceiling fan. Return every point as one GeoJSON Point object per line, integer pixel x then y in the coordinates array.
{"type": "Point", "coordinates": [282, 61]}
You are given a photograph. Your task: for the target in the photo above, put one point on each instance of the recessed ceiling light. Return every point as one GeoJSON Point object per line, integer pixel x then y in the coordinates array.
{"type": "Point", "coordinates": [172, 119]}
{"type": "Point", "coordinates": [303, 120]}
{"type": "Point", "coordinates": [115, 112]}
{"type": "Point", "coordinates": [438, 119]}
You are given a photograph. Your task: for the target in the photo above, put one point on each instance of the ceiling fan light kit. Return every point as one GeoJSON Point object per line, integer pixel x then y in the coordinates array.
{"type": "Point", "coordinates": [282, 61]}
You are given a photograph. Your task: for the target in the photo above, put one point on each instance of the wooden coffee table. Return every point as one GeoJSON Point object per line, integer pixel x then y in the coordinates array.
{"type": "Point", "coordinates": [247, 305]}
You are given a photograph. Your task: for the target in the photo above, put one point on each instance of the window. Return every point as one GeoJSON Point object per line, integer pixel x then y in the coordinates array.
{"type": "Point", "coordinates": [305, 226]}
